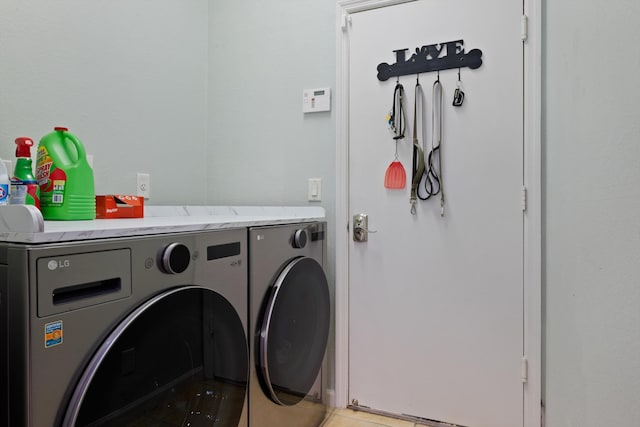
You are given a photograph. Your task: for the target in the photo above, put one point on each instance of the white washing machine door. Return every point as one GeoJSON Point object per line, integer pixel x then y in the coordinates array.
{"type": "Point", "coordinates": [179, 359]}
{"type": "Point", "coordinates": [294, 331]}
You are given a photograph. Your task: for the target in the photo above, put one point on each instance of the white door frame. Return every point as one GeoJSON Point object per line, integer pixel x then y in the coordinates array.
{"type": "Point", "coordinates": [532, 346]}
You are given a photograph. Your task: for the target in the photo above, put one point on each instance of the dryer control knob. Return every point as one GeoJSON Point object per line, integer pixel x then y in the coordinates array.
{"type": "Point", "coordinates": [299, 239]}
{"type": "Point", "coordinates": [175, 258]}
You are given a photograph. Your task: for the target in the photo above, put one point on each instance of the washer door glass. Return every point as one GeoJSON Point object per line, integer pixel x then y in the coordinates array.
{"type": "Point", "coordinates": [179, 359]}
{"type": "Point", "coordinates": [294, 331]}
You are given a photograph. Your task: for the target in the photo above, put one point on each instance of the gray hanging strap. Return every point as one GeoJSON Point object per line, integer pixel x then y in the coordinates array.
{"type": "Point", "coordinates": [418, 153]}
{"type": "Point", "coordinates": [437, 112]}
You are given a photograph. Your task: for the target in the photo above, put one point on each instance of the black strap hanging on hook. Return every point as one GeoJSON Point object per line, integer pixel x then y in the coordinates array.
{"type": "Point", "coordinates": [398, 118]}
{"type": "Point", "coordinates": [433, 167]}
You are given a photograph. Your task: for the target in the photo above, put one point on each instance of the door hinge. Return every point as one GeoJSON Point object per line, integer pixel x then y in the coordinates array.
{"type": "Point", "coordinates": [524, 367]}
{"type": "Point", "coordinates": [524, 199]}
{"type": "Point", "coordinates": [524, 28]}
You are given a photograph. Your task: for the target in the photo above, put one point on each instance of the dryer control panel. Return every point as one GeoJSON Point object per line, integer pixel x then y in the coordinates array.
{"type": "Point", "coordinates": [299, 239]}
{"type": "Point", "coordinates": [175, 258]}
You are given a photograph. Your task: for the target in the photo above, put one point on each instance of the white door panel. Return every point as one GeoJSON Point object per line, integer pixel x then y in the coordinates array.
{"type": "Point", "coordinates": [435, 303]}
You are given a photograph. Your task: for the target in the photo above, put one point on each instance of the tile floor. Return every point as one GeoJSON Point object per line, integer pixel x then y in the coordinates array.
{"type": "Point", "coordinates": [351, 418]}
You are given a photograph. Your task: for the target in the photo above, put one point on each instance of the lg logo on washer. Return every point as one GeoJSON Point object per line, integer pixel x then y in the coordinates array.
{"type": "Point", "coordinates": [55, 264]}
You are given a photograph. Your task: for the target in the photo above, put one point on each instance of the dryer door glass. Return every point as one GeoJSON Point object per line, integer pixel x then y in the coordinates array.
{"type": "Point", "coordinates": [294, 331]}
{"type": "Point", "coordinates": [179, 359]}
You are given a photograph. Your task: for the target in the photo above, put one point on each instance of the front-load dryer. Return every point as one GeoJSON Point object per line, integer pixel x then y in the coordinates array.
{"type": "Point", "coordinates": [135, 331]}
{"type": "Point", "coordinates": [289, 309]}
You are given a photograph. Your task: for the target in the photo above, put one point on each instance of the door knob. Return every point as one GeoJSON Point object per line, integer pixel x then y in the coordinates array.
{"type": "Point", "coordinates": [361, 228]}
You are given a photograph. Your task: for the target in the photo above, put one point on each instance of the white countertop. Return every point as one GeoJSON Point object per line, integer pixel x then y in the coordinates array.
{"type": "Point", "coordinates": [23, 224]}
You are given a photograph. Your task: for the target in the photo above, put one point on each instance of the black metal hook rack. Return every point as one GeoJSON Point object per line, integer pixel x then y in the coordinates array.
{"type": "Point", "coordinates": [431, 58]}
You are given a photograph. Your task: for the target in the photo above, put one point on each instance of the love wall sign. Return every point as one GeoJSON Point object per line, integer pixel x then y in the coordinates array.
{"type": "Point", "coordinates": [433, 57]}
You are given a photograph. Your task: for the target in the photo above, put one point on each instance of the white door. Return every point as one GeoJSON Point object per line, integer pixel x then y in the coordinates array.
{"type": "Point", "coordinates": [436, 302]}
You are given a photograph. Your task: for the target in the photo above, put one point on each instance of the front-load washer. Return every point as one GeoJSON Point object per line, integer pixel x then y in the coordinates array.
{"type": "Point", "coordinates": [132, 331]}
{"type": "Point", "coordinates": [289, 310]}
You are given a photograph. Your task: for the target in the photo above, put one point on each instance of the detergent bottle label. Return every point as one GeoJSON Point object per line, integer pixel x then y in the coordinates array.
{"type": "Point", "coordinates": [52, 180]}
{"type": "Point", "coordinates": [4, 194]}
{"type": "Point", "coordinates": [18, 193]}
{"type": "Point", "coordinates": [24, 193]}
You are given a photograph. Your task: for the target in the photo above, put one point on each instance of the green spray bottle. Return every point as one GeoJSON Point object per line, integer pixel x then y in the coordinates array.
{"type": "Point", "coordinates": [24, 187]}
{"type": "Point", "coordinates": [65, 178]}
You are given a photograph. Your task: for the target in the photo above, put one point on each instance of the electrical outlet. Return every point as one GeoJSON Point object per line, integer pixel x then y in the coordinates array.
{"type": "Point", "coordinates": [144, 185]}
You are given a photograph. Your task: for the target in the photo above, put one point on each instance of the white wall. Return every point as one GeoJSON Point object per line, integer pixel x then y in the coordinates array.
{"type": "Point", "coordinates": [262, 148]}
{"type": "Point", "coordinates": [261, 56]}
{"type": "Point", "coordinates": [128, 77]}
{"type": "Point", "coordinates": [592, 213]}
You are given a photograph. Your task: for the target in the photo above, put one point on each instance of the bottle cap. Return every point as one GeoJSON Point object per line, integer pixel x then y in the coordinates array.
{"type": "Point", "coordinates": [24, 145]}
{"type": "Point", "coordinates": [60, 129]}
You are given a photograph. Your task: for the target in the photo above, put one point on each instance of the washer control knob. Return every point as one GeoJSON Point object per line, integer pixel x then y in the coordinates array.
{"type": "Point", "coordinates": [175, 258]}
{"type": "Point", "coordinates": [299, 239]}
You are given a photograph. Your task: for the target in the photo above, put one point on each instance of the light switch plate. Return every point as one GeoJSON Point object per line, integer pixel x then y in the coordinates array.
{"type": "Point", "coordinates": [314, 193]}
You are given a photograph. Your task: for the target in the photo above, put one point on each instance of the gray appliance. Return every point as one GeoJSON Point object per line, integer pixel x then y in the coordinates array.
{"type": "Point", "coordinates": [289, 309]}
{"type": "Point", "coordinates": [148, 330]}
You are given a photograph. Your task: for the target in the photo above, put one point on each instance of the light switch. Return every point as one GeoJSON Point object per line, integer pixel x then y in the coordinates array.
{"type": "Point", "coordinates": [314, 190]}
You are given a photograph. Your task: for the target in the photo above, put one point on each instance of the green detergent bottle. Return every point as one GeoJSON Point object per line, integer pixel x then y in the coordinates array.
{"type": "Point", "coordinates": [65, 178]}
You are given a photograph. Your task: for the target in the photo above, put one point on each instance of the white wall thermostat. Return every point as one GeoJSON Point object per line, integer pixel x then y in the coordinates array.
{"type": "Point", "coordinates": [314, 100]}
